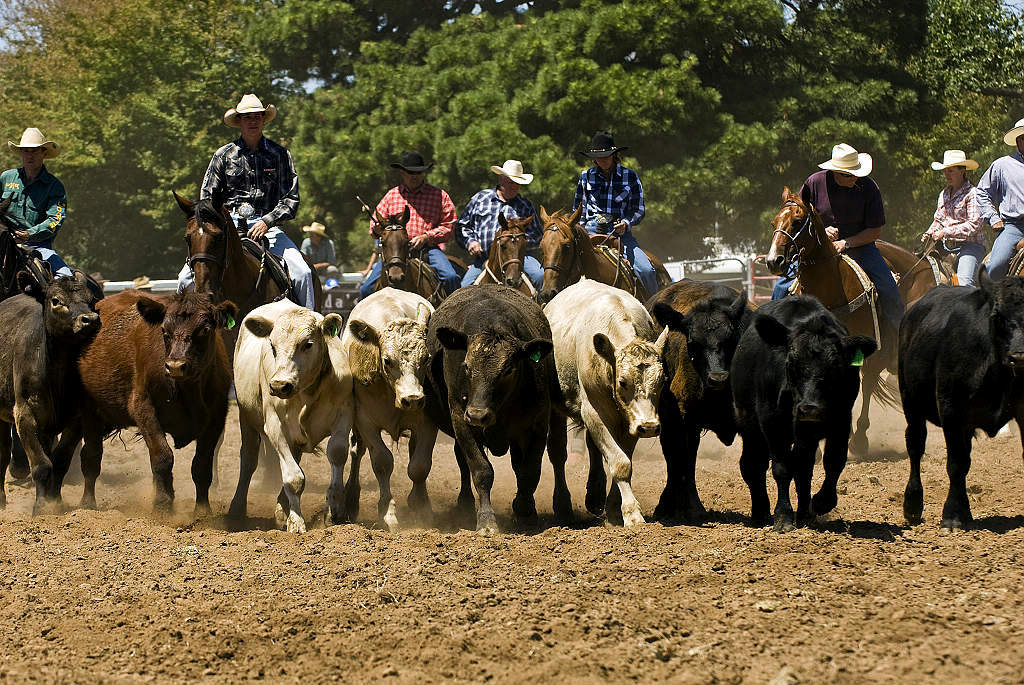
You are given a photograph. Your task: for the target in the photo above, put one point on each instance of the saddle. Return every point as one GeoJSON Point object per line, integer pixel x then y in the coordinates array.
{"type": "Point", "coordinates": [275, 267]}
{"type": "Point", "coordinates": [608, 246]}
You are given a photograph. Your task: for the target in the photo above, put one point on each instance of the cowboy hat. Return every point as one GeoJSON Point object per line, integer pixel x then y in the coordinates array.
{"type": "Point", "coordinates": [846, 159]}
{"type": "Point", "coordinates": [33, 137]}
{"type": "Point", "coordinates": [954, 158]}
{"type": "Point", "coordinates": [316, 227]}
{"type": "Point", "coordinates": [412, 162]}
{"type": "Point", "coordinates": [1011, 136]}
{"type": "Point", "coordinates": [513, 168]}
{"type": "Point", "coordinates": [142, 283]}
{"type": "Point", "coordinates": [247, 105]}
{"type": "Point", "coordinates": [602, 145]}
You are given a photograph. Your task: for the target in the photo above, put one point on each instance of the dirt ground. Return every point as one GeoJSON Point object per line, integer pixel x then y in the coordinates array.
{"type": "Point", "coordinates": [117, 595]}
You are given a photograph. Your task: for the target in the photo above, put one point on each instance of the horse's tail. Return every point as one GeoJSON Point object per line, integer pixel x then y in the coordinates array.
{"type": "Point", "coordinates": [887, 391]}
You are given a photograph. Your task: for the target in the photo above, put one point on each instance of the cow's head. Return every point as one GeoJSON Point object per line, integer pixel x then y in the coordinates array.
{"type": "Point", "coordinates": [298, 345]}
{"type": "Point", "coordinates": [712, 329]}
{"type": "Point", "coordinates": [818, 355]}
{"type": "Point", "coordinates": [637, 378]}
{"type": "Point", "coordinates": [397, 353]}
{"type": "Point", "coordinates": [69, 305]}
{"type": "Point", "coordinates": [189, 323]}
{"type": "Point", "coordinates": [1007, 297]}
{"type": "Point", "coordinates": [492, 368]}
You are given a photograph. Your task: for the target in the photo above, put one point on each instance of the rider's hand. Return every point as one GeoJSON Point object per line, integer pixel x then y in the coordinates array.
{"type": "Point", "coordinates": [257, 230]}
{"type": "Point", "coordinates": [21, 236]}
{"type": "Point", "coordinates": [998, 226]}
{"type": "Point", "coordinates": [832, 232]}
{"type": "Point", "coordinates": [840, 245]}
{"type": "Point", "coordinates": [620, 227]}
{"type": "Point", "coordinates": [475, 248]}
{"type": "Point", "coordinates": [926, 236]}
{"type": "Point", "coordinates": [418, 242]}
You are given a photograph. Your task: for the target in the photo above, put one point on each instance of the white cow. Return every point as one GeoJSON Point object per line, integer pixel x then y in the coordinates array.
{"type": "Point", "coordinates": [294, 389]}
{"type": "Point", "coordinates": [608, 356]}
{"type": "Point", "coordinates": [385, 342]}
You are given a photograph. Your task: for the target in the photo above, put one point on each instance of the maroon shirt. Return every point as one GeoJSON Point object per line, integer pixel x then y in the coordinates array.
{"type": "Point", "coordinates": [851, 210]}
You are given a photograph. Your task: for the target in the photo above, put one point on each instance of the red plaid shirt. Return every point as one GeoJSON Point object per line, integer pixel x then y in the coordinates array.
{"type": "Point", "coordinates": [431, 211]}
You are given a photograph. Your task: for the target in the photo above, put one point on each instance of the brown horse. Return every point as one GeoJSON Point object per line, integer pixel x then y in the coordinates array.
{"type": "Point", "coordinates": [800, 234]}
{"type": "Point", "coordinates": [222, 266]}
{"type": "Point", "coordinates": [505, 259]}
{"type": "Point", "coordinates": [568, 255]}
{"type": "Point", "coordinates": [612, 242]}
{"type": "Point", "coordinates": [398, 269]}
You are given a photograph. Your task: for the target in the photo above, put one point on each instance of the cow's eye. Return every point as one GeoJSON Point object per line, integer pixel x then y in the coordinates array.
{"type": "Point", "coordinates": [55, 302]}
{"type": "Point", "coordinates": [308, 345]}
{"type": "Point", "coordinates": [623, 385]}
{"type": "Point", "coordinates": [387, 363]}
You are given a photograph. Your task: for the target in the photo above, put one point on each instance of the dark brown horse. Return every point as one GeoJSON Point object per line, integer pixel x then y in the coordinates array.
{"type": "Point", "coordinates": [505, 259]}
{"type": "Point", "coordinates": [612, 242]}
{"type": "Point", "coordinates": [800, 234]}
{"type": "Point", "coordinates": [568, 254]}
{"type": "Point", "coordinates": [399, 269]}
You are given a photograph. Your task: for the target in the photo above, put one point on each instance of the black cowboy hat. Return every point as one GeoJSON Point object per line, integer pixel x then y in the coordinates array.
{"type": "Point", "coordinates": [412, 162]}
{"type": "Point", "coordinates": [602, 145]}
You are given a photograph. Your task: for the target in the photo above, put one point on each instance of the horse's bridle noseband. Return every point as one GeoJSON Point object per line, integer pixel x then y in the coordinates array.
{"type": "Point", "coordinates": [394, 261]}
{"type": "Point", "coordinates": [514, 237]}
{"type": "Point", "coordinates": [577, 248]}
{"type": "Point", "coordinates": [791, 252]}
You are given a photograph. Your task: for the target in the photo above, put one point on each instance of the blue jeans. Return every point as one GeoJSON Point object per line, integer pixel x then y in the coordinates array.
{"type": "Point", "coordinates": [1003, 249]}
{"type": "Point", "coordinates": [968, 262]}
{"type": "Point", "coordinates": [889, 299]}
{"type": "Point", "coordinates": [642, 266]}
{"type": "Point", "coordinates": [57, 265]}
{"type": "Point", "coordinates": [438, 261]}
{"type": "Point", "coordinates": [784, 283]}
{"type": "Point", "coordinates": [531, 267]}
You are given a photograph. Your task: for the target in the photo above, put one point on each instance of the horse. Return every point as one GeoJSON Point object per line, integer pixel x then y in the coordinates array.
{"type": "Point", "coordinates": [221, 264]}
{"type": "Point", "coordinates": [399, 269]}
{"type": "Point", "coordinates": [505, 259]}
{"type": "Point", "coordinates": [799, 234]}
{"type": "Point", "coordinates": [568, 255]}
{"type": "Point", "coordinates": [612, 242]}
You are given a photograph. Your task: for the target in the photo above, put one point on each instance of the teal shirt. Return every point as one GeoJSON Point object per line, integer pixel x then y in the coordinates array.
{"type": "Point", "coordinates": [38, 207]}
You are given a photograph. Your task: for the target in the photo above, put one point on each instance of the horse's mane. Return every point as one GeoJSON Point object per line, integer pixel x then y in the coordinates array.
{"type": "Point", "coordinates": [207, 213]}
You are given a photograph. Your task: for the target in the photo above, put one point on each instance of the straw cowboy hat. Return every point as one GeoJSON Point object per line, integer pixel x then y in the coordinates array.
{"type": "Point", "coordinates": [513, 168]}
{"type": "Point", "coordinates": [412, 162]}
{"type": "Point", "coordinates": [846, 159]}
{"type": "Point", "coordinates": [142, 283]}
{"type": "Point", "coordinates": [1011, 136]}
{"type": "Point", "coordinates": [954, 158]}
{"type": "Point", "coordinates": [602, 145]}
{"type": "Point", "coordinates": [316, 227]}
{"type": "Point", "coordinates": [247, 105]}
{"type": "Point", "coordinates": [33, 137]}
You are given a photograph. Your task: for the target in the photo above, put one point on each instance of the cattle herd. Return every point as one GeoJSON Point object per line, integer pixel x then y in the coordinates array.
{"type": "Point", "coordinates": [501, 375]}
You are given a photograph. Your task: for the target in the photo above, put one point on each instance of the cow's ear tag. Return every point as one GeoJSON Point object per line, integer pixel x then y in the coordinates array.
{"type": "Point", "coordinates": [858, 358]}
{"type": "Point", "coordinates": [231, 322]}
{"type": "Point", "coordinates": [535, 356]}
{"type": "Point", "coordinates": [332, 331]}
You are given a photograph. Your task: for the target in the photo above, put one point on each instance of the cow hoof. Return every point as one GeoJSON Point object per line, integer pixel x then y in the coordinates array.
{"type": "Point", "coordinates": [295, 524]}
{"type": "Point", "coordinates": [202, 510]}
{"type": "Point", "coordinates": [88, 502]}
{"type": "Point", "coordinates": [390, 518]}
{"type": "Point", "coordinates": [951, 525]}
{"type": "Point", "coordinates": [784, 525]}
{"type": "Point", "coordinates": [859, 444]}
{"type": "Point", "coordinates": [280, 518]}
{"type": "Point", "coordinates": [632, 517]}
{"type": "Point", "coordinates": [823, 502]}
{"type": "Point", "coordinates": [486, 526]}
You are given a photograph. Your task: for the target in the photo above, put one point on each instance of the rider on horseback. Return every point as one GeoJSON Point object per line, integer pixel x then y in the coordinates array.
{"type": "Point", "coordinates": [38, 203]}
{"type": "Point", "coordinates": [255, 179]}
{"type": "Point", "coordinates": [958, 217]}
{"type": "Point", "coordinates": [612, 189]}
{"type": "Point", "coordinates": [431, 219]}
{"type": "Point", "coordinates": [1001, 198]}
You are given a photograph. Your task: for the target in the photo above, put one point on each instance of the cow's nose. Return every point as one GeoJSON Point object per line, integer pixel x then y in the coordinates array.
{"type": "Point", "coordinates": [805, 411]}
{"type": "Point", "coordinates": [1016, 359]}
{"type": "Point", "coordinates": [648, 429]}
{"type": "Point", "coordinates": [411, 401]}
{"type": "Point", "coordinates": [546, 295]}
{"type": "Point", "coordinates": [282, 389]}
{"type": "Point", "coordinates": [718, 378]}
{"type": "Point", "coordinates": [175, 367]}
{"type": "Point", "coordinates": [86, 321]}
{"type": "Point", "coordinates": [479, 417]}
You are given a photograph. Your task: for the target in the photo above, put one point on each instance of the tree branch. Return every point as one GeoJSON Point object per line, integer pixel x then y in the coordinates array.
{"type": "Point", "coordinates": [1002, 92]}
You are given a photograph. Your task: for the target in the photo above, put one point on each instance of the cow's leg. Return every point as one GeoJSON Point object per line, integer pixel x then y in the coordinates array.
{"type": "Point", "coordinates": [5, 460]}
{"type": "Point", "coordinates": [19, 460]}
{"type": "Point", "coordinates": [292, 477]}
{"type": "Point", "coordinates": [803, 469]}
{"type": "Point", "coordinates": [754, 469]}
{"type": "Point", "coordinates": [483, 477]}
{"type": "Point", "coordinates": [834, 461]}
{"type": "Point", "coordinates": [63, 453]}
{"type": "Point", "coordinates": [353, 488]}
{"type": "Point", "coordinates": [913, 495]}
{"type": "Point", "coordinates": [337, 455]}
{"type": "Point", "coordinates": [782, 472]}
{"type": "Point", "coordinates": [527, 457]}
{"type": "Point", "coordinates": [161, 457]}
{"type": "Point", "coordinates": [248, 459]}
{"type": "Point", "coordinates": [465, 502]}
{"type": "Point", "coordinates": [561, 500]}
{"type": "Point", "coordinates": [956, 512]}
{"type": "Point", "coordinates": [672, 439]}
{"type": "Point", "coordinates": [92, 457]}
{"type": "Point", "coordinates": [42, 467]}
{"type": "Point", "coordinates": [858, 443]}
{"type": "Point", "coordinates": [597, 480]}
{"type": "Point", "coordinates": [421, 455]}
{"type": "Point", "coordinates": [383, 462]}
{"type": "Point", "coordinates": [692, 508]}
{"type": "Point", "coordinates": [617, 463]}
{"type": "Point", "coordinates": [203, 461]}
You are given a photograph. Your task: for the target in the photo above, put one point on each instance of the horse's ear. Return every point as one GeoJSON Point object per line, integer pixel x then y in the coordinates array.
{"type": "Point", "coordinates": [187, 206]}
{"type": "Point", "coordinates": [405, 215]}
{"type": "Point", "coordinates": [225, 215]}
{"type": "Point", "coordinates": [786, 194]}
{"type": "Point", "coordinates": [574, 218]}
{"type": "Point", "coordinates": [502, 220]}
{"type": "Point", "coordinates": [544, 214]}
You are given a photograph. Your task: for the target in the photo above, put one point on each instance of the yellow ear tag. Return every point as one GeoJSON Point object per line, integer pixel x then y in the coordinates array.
{"type": "Point", "coordinates": [858, 358]}
{"type": "Point", "coordinates": [231, 322]}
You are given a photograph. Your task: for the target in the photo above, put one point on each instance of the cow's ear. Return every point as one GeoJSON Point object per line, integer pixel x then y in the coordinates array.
{"type": "Point", "coordinates": [668, 317]}
{"type": "Point", "coordinates": [152, 311]}
{"type": "Point", "coordinates": [187, 206]}
{"type": "Point", "coordinates": [422, 313]}
{"type": "Point", "coordinates": [27, 284]}
{"type": "Point", "coordinates": [452, 339]}
{"type": "Point", "coordinates": [857, 347]}
{"type": "Point", "coordinates": [332, 325]}
{"type": "Point", "coordinates": [771, 330]}
{"type": "Point", "coordinates": [604, 348]}
{"type": "Point", "coordinates": [364, 332]}
{"type": "Point", "coordinates": [738, 307]}
{"type": "Point", "coordinates": [258, 325]}
{"type": "Point", "coordinates": [227, 311]}
{"type": "Point", "coordinates": [537, 348]}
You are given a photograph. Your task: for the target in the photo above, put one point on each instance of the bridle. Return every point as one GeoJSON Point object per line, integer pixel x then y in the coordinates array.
{"type": "Point", "coordinates": [573, 238]}
{"type": "Point", "coordinates": [396, 261]}
{"type": "Point", "coordinates": [515, 238]}
{"type": "Point", "coordinates": [794, 251]}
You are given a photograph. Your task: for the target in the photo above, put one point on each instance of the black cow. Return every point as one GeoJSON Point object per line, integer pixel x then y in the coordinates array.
{"type": "Point", "coordinates": [705, 322]}
{"type": "Point", "coordinates": [961, 350]}
{"type": "Point", "coordinates": [41, 335]}
{"type": "Point", "coordinates": [795, 376]}
{"type": "Point", "coordinates": [490, 385]}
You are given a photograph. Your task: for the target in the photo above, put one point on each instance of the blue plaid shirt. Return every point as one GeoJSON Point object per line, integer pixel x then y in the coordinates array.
{"type": "Point", "coordinates": [479, 221]}
{"type": "Point", "coordinates": [621, 196]}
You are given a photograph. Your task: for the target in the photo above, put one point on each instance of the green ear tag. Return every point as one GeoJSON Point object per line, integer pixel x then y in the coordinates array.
{"type": "Point", "coordinates": [231, 322]}
{"type": "Point", "coordinates": [333, 331]}
{"type": "Point", "coordinates": [858, 358]}
{"type": "Point", "coordinates": [535, 356]}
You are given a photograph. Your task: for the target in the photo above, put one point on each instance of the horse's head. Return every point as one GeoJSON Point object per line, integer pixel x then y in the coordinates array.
{"type": "Point", "coordinates": [394, 245]}
{"type": "Point", "coordinates": [206, 239]}
{"type": "Point", "coordinates": [795, 228]}
{"type": "Point", "coordinates": [561, 250]}
{"type": "Point", "coordinates": [509, 249]}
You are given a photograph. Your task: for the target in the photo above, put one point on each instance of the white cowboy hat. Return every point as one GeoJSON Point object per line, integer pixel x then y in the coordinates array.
{"type": "Point", "coordinates": [846, 159]}
{"type": "Point", "coordinates": [513, 168]}
{"type": "Point", "coordinates": [247, 105]}
{"type": "Point", "coordinates": [142, 283]}
{"type": "Point", "coordinates": [33, 137]}
{"type": "Point", "coordinates": [316, 227]}
{"type": "Point", "coordinates": [954, 158]}
{"type": "Point", "coordinates": [1011, 136]}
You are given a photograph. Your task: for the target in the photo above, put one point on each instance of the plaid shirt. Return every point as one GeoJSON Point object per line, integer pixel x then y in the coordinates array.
{"type": "Point", "coordinates": [621, 196]}
{"type": "Point", "coordinates": [265, 179]}
{"type": "Point", "coordinates": [431, 211]}
{"type": "Point", "coordinates": [38, 207]}
{"type": "Point", "coordinates": [958, 216]}
{"type": "Point", "coordinates": [479, 221]}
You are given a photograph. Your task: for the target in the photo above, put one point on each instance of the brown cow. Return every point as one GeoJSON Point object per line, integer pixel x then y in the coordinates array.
{"type": "Point", "coordinates": [158, 363]}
